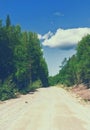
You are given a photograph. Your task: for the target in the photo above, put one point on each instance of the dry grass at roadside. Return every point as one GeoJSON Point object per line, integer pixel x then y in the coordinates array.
{"type": "Point", "coordinates": [81, 92]}
{"type": "Point", "coordinates": [64, 87]}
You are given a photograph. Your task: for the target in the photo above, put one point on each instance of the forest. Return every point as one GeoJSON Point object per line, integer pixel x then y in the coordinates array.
{"type": "Point", "coordinates": [22, 65]}
{"type": "Point", "coordinates": [75, 70]}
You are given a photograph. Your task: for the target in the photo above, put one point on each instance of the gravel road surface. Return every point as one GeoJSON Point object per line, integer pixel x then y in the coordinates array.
{"type": "Point", "coordinates": [50, 108]}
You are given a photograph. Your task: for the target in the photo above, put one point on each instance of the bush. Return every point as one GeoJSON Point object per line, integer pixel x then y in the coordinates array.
{"type": "Point", "coordinates": [32, 87]}
{"type": "Point", "coordinates": [7, 90]}
{"type": "Point", "coordinates": [35, 85]}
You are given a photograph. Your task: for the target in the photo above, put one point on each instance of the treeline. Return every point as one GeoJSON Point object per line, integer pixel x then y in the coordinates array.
{"type": "Point", "coordinates": [75, 70]}
{"type": "Point", "coordinates": [22, 65]}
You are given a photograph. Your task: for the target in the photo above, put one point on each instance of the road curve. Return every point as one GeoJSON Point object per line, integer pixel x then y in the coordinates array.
{"type": "Point", "coordinates": [47, 109]}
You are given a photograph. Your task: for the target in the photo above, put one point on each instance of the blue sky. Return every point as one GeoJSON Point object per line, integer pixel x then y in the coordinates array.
{"type": "Point", "coordinates": [58, 17]}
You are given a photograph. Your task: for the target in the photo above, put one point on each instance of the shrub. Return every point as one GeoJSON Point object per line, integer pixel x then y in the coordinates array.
{"type": "Point", "coordinates": [35, 85]}
{"type": "Point", "coordinates": [7, 90]}
{"type": "Point", "coordinates": [32, 87]}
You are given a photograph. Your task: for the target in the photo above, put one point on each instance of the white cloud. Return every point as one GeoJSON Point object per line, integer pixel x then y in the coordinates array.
{"type": "Point", "coordinates": [58, 14]}
{"type": "Point", "coordinates": [46, 36]}
{"type": "Point", "coordinates": [40, 36]}
{"type": "Point", "coordinates": [64, 38]}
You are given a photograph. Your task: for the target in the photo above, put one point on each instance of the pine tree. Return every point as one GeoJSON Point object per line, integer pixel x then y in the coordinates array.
{"type": "Point", "coordinates": [8, 21]}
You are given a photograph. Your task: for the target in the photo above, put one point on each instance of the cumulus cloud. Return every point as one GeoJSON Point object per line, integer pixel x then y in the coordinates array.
{"type": "Point", "coordinates": [64, 38]}
{"type": "Point", "coordinates": [40, 36]}
{"type": "Point", "coordinates": [46, 36]}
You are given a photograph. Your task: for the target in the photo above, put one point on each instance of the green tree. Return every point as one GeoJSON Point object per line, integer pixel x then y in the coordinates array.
{"type": "Point", "coordinates": [8, 21]}
{"type": "Point", "coordinates": [0, 23]}
{"type": "Point", "coordinates": [83, 57]}
{"type": "Point", "coordinates": [76, 69]}
{"type": "Point", "coordinates": [43, 72]}
{"type": "Point", "coordinates": [21, 59]}
{"type": "Point", "coordinates": [6, 55]}
{"type": "Point", "coordinates": [36, 61]}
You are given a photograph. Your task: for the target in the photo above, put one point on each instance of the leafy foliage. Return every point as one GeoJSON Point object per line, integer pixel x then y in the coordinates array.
{"type": "Point", "coordinates": [21, 58]}
{"type": "Point", "coordinates": [76, 69]}
{"type": "Point", "coordinates": [7, 89]}
{"type": "Point", "coordinates": [8, 21]}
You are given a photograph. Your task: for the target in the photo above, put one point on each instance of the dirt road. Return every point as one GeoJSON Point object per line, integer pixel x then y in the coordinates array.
{"type": "Point", "coordinates": [47, 109]}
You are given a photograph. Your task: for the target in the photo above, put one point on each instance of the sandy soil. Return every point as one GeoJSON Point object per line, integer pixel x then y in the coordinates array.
{"type": "Point", "coordinates": [47, 109]}
{"type": "Point", "coordinates": [81, 91]}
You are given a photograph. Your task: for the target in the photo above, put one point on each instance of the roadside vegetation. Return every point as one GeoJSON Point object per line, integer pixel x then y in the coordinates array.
{"type": "Point", "coordinates": [75, 71]}
{"type": "Point", "coordinates": [24, 69]}
{"type": "Point", "coordinates": [22, 65]}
